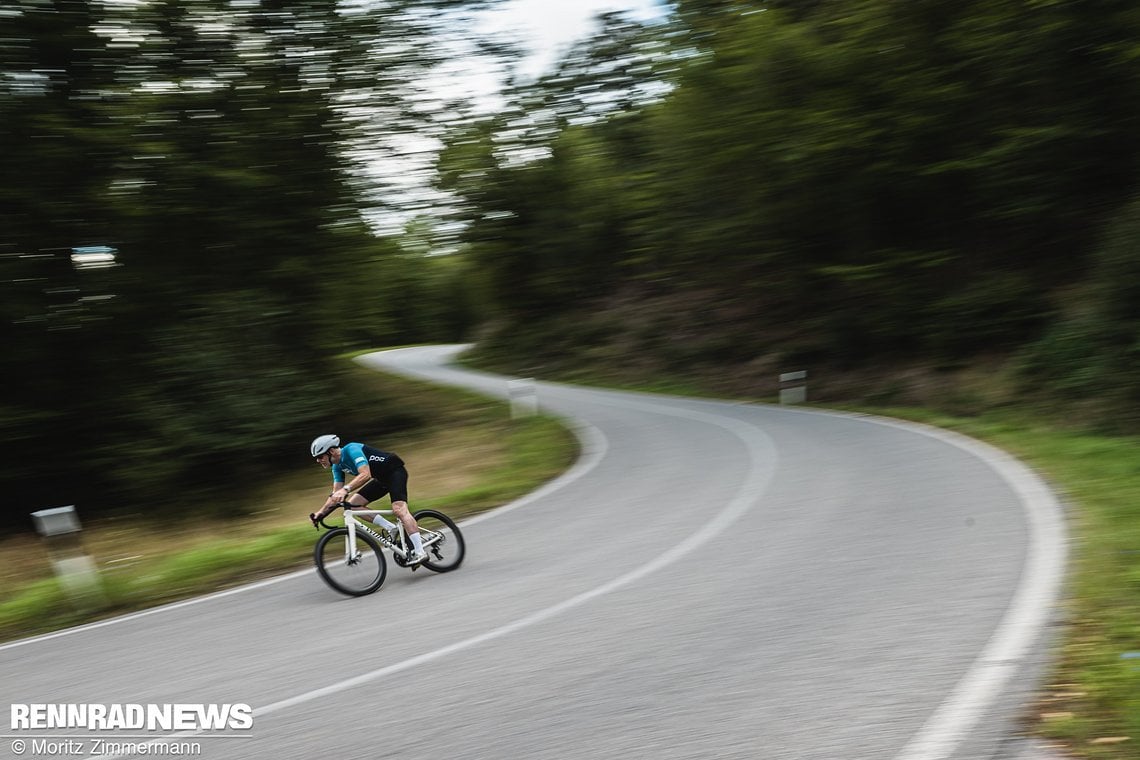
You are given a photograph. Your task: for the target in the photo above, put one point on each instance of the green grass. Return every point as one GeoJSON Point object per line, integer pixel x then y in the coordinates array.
{"type": "Point", "coordinates": [466, 456]}
{"type": "Point", "coordinates": [529, 462]}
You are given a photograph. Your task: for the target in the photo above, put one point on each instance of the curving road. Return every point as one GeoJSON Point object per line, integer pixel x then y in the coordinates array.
{"type": "Point", "coordinates": [711, 580]}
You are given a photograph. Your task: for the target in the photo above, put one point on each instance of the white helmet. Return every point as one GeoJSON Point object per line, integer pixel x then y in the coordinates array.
{"type": "Point", "coordinates": [323, 443]}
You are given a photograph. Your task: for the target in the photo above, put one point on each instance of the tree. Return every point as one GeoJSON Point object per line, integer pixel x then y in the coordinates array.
{"type": "Point", "coordinates": [891, 179]}
{"type": "Point", "coordinates": [212, 146]}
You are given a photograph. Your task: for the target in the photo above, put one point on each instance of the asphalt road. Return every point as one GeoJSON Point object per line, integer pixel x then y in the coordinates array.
{"type": "Point", "coordinates": [711, 580]}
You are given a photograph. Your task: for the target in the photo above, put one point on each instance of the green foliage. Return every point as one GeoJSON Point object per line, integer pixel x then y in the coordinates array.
{"type": "Point", "coordinates": [877, 180]}
{"type": "Point", "coordinates": [222, 382]}
{"type": "Point", "coordinates": [216, 150]}
{"type": "Point", "coordinates": [549, 184]}
{"type": "Point", "coordinates": [994, 313]}
{"type": "Point", "coordinates": [1093, 352]}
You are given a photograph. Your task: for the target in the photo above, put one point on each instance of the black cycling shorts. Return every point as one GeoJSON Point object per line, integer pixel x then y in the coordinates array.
{"type": "Point", "coordinates": [392, 481]}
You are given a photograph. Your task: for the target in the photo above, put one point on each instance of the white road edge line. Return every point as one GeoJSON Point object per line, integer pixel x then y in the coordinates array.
{"type": "Point", "coordinates": [756, 484]}
{"type": "Point", "coordinates": [754, 487]}
{"type": "Point", "coordinates": [1037, 593]}
{"type": "Point", "coordinates": [1038, 589]}
{"type": "Point", "coordinates": [594, 446]}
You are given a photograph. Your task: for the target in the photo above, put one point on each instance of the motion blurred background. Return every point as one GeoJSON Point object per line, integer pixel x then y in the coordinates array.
{"type": "Point", "coordinates": [206, 202]}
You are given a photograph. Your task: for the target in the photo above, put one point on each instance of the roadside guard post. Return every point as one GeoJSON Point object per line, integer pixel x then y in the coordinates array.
{"type": "Point", "coordinates": [793, 387]}
{"type": "Point", "coordinates": [524, 398]}
{"type": "Point", "coordinates": [74, 568]}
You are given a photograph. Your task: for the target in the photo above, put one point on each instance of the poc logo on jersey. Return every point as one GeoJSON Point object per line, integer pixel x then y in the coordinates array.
{"type": "Point", "coordinates": [375, 458]}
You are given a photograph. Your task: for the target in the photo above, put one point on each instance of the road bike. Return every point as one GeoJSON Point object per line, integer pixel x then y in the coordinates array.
{"type": "Point", "coordinates": [350, 558]}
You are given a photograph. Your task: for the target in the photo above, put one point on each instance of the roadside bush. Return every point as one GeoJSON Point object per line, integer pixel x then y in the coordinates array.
{"type": "Point", "coordinates": [1094, 350]}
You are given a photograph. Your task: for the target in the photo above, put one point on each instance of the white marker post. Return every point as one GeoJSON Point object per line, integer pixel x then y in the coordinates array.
{"type": "Point", "coordinates": [74, 568]}
{"type": "Point", "coordinates": [523, 396]}
{"type": "Point", "coordinates": [793, 387]}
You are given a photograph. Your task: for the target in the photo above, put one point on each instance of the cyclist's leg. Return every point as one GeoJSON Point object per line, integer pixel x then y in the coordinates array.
{"type": "Point", "coordinates": [398, 488]}
{"type": "Point", "coordinates": [366, 495]}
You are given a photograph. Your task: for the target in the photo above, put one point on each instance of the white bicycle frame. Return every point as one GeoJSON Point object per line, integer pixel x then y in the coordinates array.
{"type": "Point", "coordinates": [351, 521]}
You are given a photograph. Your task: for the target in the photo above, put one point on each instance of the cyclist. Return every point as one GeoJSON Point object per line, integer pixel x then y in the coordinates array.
{"type": "Point", "coordinates": [375, 473]}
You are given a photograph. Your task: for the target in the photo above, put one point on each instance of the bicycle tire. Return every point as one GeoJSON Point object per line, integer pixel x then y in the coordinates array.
{"type": "Point", "coordinates": [354, 579]}
{"type": "Point", "coordinates": [447, 554]}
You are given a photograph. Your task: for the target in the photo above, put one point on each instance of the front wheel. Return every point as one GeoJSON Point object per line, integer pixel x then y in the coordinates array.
{"type": "Point", "coordinates": [442, 541]}
{"type": "Point", "coordinates": [355, 567]}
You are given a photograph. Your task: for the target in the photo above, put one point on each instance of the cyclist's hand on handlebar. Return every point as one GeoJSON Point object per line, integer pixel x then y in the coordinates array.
{"type": "Point", "coordinates": [315, 519]}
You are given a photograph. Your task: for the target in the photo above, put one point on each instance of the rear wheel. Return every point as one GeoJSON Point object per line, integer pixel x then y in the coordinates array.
{"type": "Point", "coordinates": [356, 570]}
{"type": "Point", "coordinates": [441, 539]}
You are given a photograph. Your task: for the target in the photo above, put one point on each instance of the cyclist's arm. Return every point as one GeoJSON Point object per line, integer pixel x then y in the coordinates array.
{"type": "Point", "coordinates": [338, 479]}
{"type": "Point", "coordinates": [358, 481]}
{"type": "Point", "coordinates": [338, 484]}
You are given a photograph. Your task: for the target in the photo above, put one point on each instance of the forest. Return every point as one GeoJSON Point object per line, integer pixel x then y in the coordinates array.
{"type": "Point", "coordinates": [189, 241]}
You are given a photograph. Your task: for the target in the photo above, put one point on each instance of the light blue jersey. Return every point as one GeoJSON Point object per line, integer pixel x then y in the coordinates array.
{"type": "Point", "coordinates": [354, 456]}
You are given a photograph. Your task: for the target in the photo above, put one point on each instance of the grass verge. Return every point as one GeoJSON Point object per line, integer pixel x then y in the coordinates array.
{"type": "Point", "coordinates": [465, 455]}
